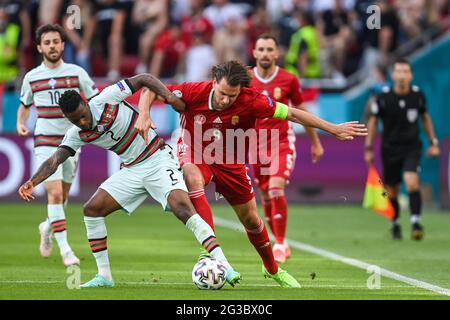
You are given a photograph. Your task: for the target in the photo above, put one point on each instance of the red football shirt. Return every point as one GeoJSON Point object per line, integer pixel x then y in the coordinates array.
{"type": "Point", "coordinates": [285, 88]}
{"type": "Point", "coordinates": [211, 136]}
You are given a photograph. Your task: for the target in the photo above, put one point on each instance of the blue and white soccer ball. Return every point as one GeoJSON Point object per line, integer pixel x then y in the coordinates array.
{"type": "Point", "coordinates": [209, 273]}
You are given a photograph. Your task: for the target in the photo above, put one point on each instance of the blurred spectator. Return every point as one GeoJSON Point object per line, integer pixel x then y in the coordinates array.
{"type": "Point", "coordinates": [9, 41]}
{"type": "Point", "coordinates": [335, 32]}
{"type": "Point", "coordinates": [380, 42]}
{"type": "Point", "coordinates": [110, 18]}
{"type": "Point", "coordinates": [152, 16]}
{"type": "Point", "coordinates": [230, 42]}
{"type": "Point", "coordinates": [199, 58]}
{"type": "Point", "coordinates": [170, 48]}
{"type": "Point", "coordinates": [318, 7]}
{"type": "Point", "coordinates": [257, 24]}
{"type": "Point", "coordinates": [18, 15]}
{"type": "Point", "coordinates": [287, 25]}
{"type": "Point", "coordinates": [180, 9]}
{"type": "Point", "coordinates": [303, 56]}
{"type": "Point", "coordinates": [77, 49]}
{"type": "Point", "coordinates": [221, 11]}
{"type": "Point", "coordinates": [195, 21]}
{"type": "Point", "coordinates": [49, 11]}
{"type": "Point", "coordinates": [279, 8]}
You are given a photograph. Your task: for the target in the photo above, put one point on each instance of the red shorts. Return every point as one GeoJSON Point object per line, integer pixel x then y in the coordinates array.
{"type": "Point", "coordinates": [232, 182]}
{"type": "Point", "coordinates": [280, 165]}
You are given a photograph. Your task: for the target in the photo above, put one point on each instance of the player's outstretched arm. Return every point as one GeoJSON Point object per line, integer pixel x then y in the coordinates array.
{"type": "Point", "coordinates": [343, 131]}
{"type": "Point", "coordinates": [155, 85]}
{"type": "Point", "coordinates": [45, 170]}
{"type": "Point", "coordinates": [316, 146]}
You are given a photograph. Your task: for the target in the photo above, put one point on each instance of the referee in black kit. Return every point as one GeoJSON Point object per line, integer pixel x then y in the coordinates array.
{"type": "Point", "coordinates": [399, 107]}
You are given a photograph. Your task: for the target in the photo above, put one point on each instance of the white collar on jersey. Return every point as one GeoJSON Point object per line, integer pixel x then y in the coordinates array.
{"type": "Point", "coordinates": [261, 79]}
{"type": "Point", "coordinates": [210, 102]}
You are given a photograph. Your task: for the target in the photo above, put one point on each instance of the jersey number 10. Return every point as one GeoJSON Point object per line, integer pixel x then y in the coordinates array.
{"type": "Point", "coordinates": [54, 97]}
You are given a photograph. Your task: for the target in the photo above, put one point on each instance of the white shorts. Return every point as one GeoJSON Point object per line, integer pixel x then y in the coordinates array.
{"type": "Point", "coordinates": [156, 176]}
{"type": "Point", "coordinates": [65, 172]}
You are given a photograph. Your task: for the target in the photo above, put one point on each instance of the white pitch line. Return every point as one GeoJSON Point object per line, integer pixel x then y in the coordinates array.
{"type": "Point", "coordinates": [150, 283]}
{"type": "Point", "coordinates": [336, 257]}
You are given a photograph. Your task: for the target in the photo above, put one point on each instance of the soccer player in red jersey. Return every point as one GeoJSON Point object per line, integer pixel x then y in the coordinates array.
{"type": "Point", "coordinates": [272, 177]}
{"type": "Point", "coordinates": [218, 113]}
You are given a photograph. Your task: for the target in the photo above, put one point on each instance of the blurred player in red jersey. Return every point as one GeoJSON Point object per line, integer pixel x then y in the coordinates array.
{"type": "Point", "coordinates": [217, 113]}
{"type": "Point", "coordinates": [273, 176]}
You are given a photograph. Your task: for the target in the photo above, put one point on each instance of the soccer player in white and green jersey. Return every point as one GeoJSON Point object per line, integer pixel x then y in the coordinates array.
{"type": "Point", "coordinates": [148, 168]}
{"type": "Point", "coordinates": [43, 86]}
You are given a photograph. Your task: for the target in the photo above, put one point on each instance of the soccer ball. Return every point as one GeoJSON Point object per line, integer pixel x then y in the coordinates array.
{"type": "Point", "coordinates": [209, 273]}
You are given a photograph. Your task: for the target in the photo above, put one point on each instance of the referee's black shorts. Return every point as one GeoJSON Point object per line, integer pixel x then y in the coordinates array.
{"type": "Point", "coordinates": [398, 159]}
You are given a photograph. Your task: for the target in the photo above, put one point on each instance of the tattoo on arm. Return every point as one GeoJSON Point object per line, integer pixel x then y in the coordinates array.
{"type": "Point", "coordinates": [50, 166]}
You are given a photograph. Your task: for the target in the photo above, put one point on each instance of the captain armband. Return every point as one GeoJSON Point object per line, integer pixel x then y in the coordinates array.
{"type": "Point", "coordinates": [281, 111]}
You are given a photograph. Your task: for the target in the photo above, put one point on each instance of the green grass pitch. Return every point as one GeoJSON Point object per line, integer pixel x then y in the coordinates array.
{"type": "Point", "coordinates": [152, 255]}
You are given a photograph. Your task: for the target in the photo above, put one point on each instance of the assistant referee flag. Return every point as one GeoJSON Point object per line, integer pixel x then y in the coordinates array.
{"type": "Point", "coordinates": [375, 197]}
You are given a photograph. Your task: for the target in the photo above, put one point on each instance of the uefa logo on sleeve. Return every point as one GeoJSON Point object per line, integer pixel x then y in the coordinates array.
{"type": "Point", "coordinates": [177, 93]}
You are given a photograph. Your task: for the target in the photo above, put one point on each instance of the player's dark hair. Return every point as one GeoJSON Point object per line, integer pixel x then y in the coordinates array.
{"type": "Point", "coordinates": [267, 36]}
{"type": "Point", "coordinates": [69, 101]}
{"type": "Point", "coordinates": [234, 72]}
{"type": "Point", "coordinates": [402, 60]}
{"type": "Point", "coordinates": [46, 28]}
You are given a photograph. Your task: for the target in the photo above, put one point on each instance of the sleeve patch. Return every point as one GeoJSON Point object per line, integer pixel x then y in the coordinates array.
{"type": "Point", "coordinates": [270, 101]}
{"type": "Point", "coordinates": [121, 86]}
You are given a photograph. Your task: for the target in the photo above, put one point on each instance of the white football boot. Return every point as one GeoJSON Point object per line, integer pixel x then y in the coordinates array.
{"type": "Point", "coordinates": [46, 244]}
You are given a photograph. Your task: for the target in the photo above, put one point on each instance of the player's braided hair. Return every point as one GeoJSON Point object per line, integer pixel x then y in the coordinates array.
{"type": "Point", "coordinates": [46, 28]}
{"type": "Point", "coordinates": [234, 72]}
{"type": "Point", "coordinates": [69, 101]}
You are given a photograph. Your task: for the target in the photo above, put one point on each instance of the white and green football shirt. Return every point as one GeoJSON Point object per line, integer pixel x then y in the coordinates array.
{"type": "Point", "coordinates": [42, 87]}
{"type": "Point", "coordinates": [113, 127]}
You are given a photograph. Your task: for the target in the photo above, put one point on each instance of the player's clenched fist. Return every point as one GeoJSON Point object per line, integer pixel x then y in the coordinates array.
{"type": "Point", "coordinates": [22, 130]}
{"type": "Point", "coordinates": [26, 191]}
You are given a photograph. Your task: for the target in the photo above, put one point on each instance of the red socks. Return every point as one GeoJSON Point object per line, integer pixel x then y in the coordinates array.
{"type": "Point", "coordinates": [260, 240]}
{"type": "Point", "coordinates": [201, 205]}
{"type": "Point", "coordinates": [279, 213]}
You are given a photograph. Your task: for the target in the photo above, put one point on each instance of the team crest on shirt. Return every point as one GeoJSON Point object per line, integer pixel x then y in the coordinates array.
{"type": "Point", "coordinates": [277, 93]}
{"type": "Point", "coordinates": [100, 128]}
{"type": "Point", "coordinates": [265, 92]}
{"type": "Point", "coordinates": [234, 120]}
{"type": "Point", "coordinates": [199, 118]}
{"type": "Point", "coordinates": [402, 103]}
{"type": "Point", "coordinates": [68, 82]}
{"type": "Point", "coordinates": [52, 83]}
{"type": "Point", "coordinates": [411, 114]}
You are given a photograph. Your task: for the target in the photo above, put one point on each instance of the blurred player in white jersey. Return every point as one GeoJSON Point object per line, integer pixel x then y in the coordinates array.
{"type": "Point", "coordinates": [42, 87]}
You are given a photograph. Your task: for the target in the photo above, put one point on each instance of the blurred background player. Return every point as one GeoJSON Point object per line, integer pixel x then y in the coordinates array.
{"type": "Point", "coordinates": [42, 87]}
{"type": "Point", "coordinates": [149, 168]}
{"type": "Point", "coordinates": [222, 107]}
{"type": "Point", "coordinates": [273, 176]}
{"type": "Point", "coordinates": [399, 108]}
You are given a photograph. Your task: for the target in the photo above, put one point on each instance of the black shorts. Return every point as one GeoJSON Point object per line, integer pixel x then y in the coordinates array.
{"type": "Point", "coordinates": [396, 160]}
